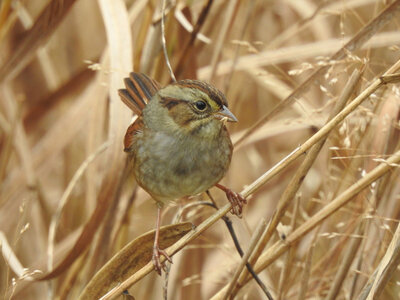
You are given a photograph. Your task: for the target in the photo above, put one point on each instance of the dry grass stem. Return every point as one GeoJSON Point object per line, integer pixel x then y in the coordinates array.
{"type": "Point", "coordinates": [280, 247]}
{"type": "Point", "coordinates": [385, 270]}
{"type": "Point", "coordinates": [61, 204]}
{"type": "Point", "coordinates": [164, 42]}
{"type": "Point", "coordinates": [11, 259]}
{"type": "Point", "coordinates": [286, 270]}
{"type": "Point", "coordinates": [302, 171]}
{"type": "Point", "coordinates": [347, 261]}
{"type": "Point", "coordinates": [44, 26]}
{"type": "Point", "coordinates": [230, 10]}
{"type": "Point", "coordinates": [320, 134]}
{"type": "Point", "coordinates": [305, 276]}
{"type": "Point", "coordinates": [355, 43]}
{"type": "Point", "coordinates": [254, 240]}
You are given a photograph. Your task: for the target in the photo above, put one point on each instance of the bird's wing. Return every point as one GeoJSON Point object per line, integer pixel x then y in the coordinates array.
{"type": "Point", "coordinates": [139, 89]}
{"type": "Point", "coordinates": [131, 132]}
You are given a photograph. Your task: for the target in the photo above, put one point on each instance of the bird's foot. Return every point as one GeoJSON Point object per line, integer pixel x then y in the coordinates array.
{"type": "Point", "coordinates": [158, 266]}
{"type": "Point", "coordinates": [237, 200]}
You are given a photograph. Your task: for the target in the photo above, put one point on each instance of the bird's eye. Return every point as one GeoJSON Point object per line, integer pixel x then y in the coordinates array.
{"type": "Point", "coordinates": [200, 105]}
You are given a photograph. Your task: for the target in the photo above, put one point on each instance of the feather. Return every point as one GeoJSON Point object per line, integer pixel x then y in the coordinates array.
{"type": "Point", "coordinates": [132, 130]}
{"type": "Point", "coordinates": [139, 89]}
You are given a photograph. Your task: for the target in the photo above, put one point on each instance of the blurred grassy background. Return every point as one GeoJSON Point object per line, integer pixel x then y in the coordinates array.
{"type": "Point", "coordinates": [61, 63]}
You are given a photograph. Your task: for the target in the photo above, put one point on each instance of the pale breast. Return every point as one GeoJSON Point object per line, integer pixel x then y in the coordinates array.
{"type": "Point", "coordinates": [169, 167]}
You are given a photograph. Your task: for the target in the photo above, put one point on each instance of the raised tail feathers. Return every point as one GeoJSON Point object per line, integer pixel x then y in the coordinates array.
{"type": "Point", "coordinates": [139, 89]}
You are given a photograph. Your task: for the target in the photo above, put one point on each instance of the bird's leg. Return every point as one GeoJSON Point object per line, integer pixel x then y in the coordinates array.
{"type": "Point", "coordinates": [237, 200]}
{"type": "Point", "coordinates": [156, 248]}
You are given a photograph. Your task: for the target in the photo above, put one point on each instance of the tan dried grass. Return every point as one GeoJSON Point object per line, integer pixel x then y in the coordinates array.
{"type": "Point", "coordinates": [283, 66]}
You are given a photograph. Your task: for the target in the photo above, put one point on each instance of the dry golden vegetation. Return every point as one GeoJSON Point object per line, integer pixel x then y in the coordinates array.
{"type": "Point", "coordinates": [315, 86]}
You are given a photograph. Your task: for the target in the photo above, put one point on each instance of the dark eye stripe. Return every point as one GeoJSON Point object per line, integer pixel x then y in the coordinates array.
{"type": "Point", "coordinates": [170, 102]}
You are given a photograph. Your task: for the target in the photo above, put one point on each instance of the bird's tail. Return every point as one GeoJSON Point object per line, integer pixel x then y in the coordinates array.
{"type": "Point", "coordinates": [139, 89]}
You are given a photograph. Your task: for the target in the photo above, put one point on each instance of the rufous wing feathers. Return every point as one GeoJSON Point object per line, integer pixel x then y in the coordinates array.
{"type": "Point", "coordinates": [139, 89]}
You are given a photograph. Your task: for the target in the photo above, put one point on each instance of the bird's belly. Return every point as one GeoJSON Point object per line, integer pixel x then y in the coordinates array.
{"type": "Point", "coordinates": [169, 168]}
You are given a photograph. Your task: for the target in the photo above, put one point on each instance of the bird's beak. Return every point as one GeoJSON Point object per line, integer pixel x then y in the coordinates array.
{"type": "Point", "coordinates": [225, 115]}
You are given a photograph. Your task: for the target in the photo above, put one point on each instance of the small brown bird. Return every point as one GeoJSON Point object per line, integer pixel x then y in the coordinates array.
{"type": "Point", "coordinates": [179, 145]}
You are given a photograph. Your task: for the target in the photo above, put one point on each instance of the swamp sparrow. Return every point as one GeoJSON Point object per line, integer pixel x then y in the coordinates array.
{"type": "Point", "coordinates": [178, 145]}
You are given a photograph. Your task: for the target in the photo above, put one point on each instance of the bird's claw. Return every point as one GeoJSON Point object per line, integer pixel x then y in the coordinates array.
{"type": "Point", "coordinates": [237, 201]}
{"type": "Point", "coordinates": [158, 266]}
